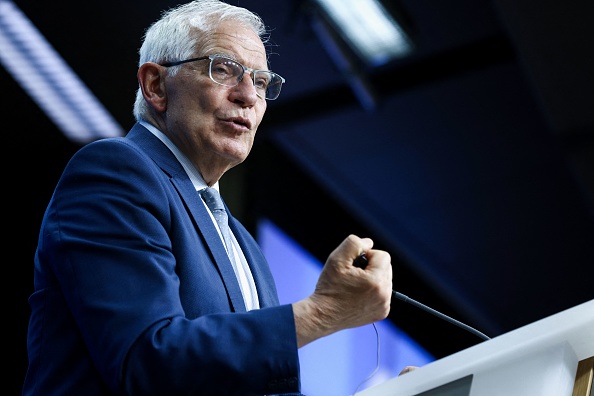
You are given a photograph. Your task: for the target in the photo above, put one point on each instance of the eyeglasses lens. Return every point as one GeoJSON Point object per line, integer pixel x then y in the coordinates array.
{"type": "Point", "coordinates": [228, 72]}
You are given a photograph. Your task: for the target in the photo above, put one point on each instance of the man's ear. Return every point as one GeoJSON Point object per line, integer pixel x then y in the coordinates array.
{"type": "Point", "coordinates": [151, 81]}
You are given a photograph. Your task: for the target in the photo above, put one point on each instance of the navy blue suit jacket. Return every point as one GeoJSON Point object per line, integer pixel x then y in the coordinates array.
{"type": "Point", "coordinates": [134, 292]}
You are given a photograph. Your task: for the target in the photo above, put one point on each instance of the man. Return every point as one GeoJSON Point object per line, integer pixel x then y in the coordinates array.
{"type": "Point", "coordinates": [136, 292]}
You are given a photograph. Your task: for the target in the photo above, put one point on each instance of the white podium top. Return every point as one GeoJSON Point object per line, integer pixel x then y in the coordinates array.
{"type": "Point", "coordinates": [538, 359]}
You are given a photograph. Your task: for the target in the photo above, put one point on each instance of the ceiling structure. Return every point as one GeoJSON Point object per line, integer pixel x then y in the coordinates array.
{"type": "Point", "coordinates": [473, 167]}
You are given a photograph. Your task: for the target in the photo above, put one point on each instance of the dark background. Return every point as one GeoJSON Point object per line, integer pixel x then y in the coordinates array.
{"type": "Point", "coordinates": [474, 167]}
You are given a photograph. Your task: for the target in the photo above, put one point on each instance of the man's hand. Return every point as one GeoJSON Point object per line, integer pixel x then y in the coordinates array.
{"type": "Point", "coordinates": [407, 369]}
{"type": "Point", "coordinates": [346, 296]}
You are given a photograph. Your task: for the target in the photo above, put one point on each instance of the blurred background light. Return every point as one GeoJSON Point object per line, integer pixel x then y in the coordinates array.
{"type": "Point", "coordinates": [49, 81]}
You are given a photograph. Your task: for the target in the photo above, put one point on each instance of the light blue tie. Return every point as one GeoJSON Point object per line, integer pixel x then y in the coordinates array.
{"type": "Point", "coordinates": [214, 202]}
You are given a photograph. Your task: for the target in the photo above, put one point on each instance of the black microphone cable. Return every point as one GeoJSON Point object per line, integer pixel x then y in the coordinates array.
{"type": "Point", "coordinates": [361, 262]}
{"type": "Point", "coordinates": [409, 300]}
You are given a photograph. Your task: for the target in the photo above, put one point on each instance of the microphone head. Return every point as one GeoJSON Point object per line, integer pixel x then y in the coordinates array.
{"type": "Point", "coordinates": [361, 261]}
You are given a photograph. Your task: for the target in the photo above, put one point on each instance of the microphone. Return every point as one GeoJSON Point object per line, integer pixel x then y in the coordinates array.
{"type": "Point", "coordinates": [361, 262]}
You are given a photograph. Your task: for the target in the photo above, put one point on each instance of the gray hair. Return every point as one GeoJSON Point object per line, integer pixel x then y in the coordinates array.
{"type": "Point", "coordinates": [173, 37]}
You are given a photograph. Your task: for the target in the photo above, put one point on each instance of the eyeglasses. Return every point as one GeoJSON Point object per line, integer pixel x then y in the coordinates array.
{"type": "Point", "coordinates": [228, 72]}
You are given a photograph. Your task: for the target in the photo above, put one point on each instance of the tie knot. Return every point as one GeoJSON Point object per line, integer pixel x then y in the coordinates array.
{"type": "Point", "coordinates": [212, 198]}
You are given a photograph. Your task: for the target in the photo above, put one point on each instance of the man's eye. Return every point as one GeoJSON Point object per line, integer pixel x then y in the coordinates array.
{"type": "Point", "coordinates": [261, 83]}
{"type": "Point", "coordinates": [224, 69]}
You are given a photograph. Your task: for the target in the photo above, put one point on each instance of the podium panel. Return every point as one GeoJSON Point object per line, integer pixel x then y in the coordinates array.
{"type": "Point", "coordinates": [538, 359]}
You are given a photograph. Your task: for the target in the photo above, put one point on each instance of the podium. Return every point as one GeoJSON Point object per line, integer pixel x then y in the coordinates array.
{"type": "Point", "coordinates": [550, 357]}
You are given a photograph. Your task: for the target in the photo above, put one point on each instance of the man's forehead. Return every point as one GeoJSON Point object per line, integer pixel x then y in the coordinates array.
{"type": "Point", "coordinates": [239, 43]}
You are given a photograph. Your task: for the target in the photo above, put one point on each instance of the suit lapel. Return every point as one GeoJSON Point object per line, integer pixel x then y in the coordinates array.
{"type": "Point", "coordinates": [265, 285]}
{"type": "Point", "coordinates": [197, 211]}
{"type": "Point", "coordinates": [204, 223]}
